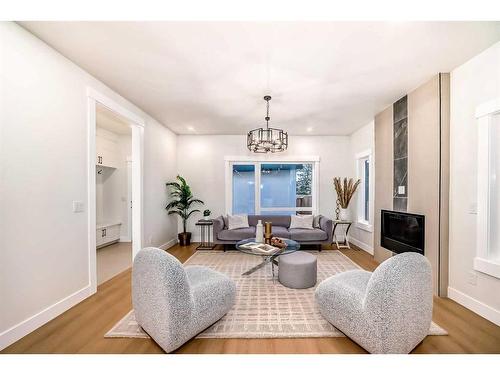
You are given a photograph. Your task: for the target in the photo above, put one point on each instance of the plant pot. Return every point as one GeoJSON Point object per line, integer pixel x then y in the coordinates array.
{"type": "Point", "coordinates": [344, 214]}
{"type": "Point", "coordinates": [184, 238]}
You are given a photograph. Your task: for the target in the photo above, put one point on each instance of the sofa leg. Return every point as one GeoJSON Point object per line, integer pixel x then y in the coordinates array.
{"type": "Point", "coordinates": [319, 247]}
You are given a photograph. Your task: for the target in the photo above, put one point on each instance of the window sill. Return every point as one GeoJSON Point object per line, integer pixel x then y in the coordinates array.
{"type": "Point", "coordinates": [364, 226]}
{"type": "Point", "coordinates": [487, 266]}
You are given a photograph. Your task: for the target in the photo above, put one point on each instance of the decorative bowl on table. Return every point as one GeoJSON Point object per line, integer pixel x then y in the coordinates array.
{"type": "Point", "coordinates": [278, 242]}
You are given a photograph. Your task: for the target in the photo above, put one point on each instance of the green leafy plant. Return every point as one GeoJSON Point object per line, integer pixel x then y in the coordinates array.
{"type": "Point", "coordinates": [182, 200]}
{"type": "Point", "coordinates": [206, 213]}
{"type": "Point", "coordinates": [304, 180]}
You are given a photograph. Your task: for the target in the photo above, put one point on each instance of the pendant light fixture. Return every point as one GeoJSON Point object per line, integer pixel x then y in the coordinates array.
{"type": "Point", "coordinates": [264, 140]}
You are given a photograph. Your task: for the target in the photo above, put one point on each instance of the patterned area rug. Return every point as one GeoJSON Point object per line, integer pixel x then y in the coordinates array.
{"type": "Point", "coordinates": [264, 308]}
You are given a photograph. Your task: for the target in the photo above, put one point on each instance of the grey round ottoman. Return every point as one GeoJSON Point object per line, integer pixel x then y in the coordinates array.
{"type": "Point", "coordinates": [297, 270]}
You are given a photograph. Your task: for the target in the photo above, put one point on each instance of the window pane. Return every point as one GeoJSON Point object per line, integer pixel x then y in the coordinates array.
{"type": "Point", "coordinates": [277, 213]}
{"type": "Point", "coordinates": [243, 189]}
{"type": "Point", "coordinates": [367, 190]}
{"type": "Point", "coordinates": [286, 213]}
{"type": "Point", "coordinates": [303, 212]}
{"type": "Point", "coordinates": [494, 176]}
{"type": "Point", "coordinates": [286, 185]}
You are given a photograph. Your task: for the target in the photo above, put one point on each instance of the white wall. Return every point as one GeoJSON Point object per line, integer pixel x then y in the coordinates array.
{"type": "Point", "coordinates": [106, 194]}
{"type": "Point", "coordinates": [43, 153]}
{"type": "Point", "coordinates": [475, 82]}
{"type": "Point", "coordinates": [160, 166]}
{"type": "Point", "coordinates": [201, 162]}
{"type": "Point", "coordinates": [124, 186]}
{"type": "Point", "coordinates": [362, 140]}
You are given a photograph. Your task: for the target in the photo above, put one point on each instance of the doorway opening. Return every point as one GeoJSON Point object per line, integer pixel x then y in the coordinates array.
{"type": "Point", "coordinates": [115, 144]}
{"type": "Point", "coordinates": [113, 194]}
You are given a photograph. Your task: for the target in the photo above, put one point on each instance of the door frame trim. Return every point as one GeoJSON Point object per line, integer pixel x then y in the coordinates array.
{"type": "Point", "coordinates": [137, 125]}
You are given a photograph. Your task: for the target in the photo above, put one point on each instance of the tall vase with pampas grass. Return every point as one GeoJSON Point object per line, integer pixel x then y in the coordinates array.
{"type": "Point", "coordinates": [345, 190]}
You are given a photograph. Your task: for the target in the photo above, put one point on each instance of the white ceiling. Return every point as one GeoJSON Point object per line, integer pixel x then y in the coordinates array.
{"type": "Point", "coordinates": [111, 121]}
{"type": "Point", "coordinates": [210, 77]}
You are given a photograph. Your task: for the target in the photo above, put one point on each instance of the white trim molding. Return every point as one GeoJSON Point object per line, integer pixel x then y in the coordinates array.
{"type": "Point", "coordinates": [364, 154]}
{"type": "Point", "coordinates": [114, 106]}
{"type": "Point", "coordinates": [361, 245]}
{"type": "Point", "coordinates": [27, 326]}
{"type": "Point", "coordinates": [360, 222]}
{"type": "Point", "coordinates": [488, 108]}
{"type": "Point", "coordinates": [91, 191]}
{"type": "Point", "coordinates": [167, 245]}
{"type": "Point", "coordinates": [137, 124]}
{"type": "Point", "coordinates": [273, 158]}
{"type": "Point", "coordinates": [367, 227]}
{"type": "Point", "coordinates": [473, 304]}
{"type": "Point", "coordinates": [256, 161]}
{"type": "Point", "coordinates": [487, 266]}
{"type": "Point", "coordinates": [485, 261]}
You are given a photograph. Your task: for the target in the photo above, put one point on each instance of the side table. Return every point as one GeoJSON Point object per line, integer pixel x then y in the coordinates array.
{"type": "Point", "coordinates": [346, 225]}
{"type": "Point", "coordinates": [206, 235]}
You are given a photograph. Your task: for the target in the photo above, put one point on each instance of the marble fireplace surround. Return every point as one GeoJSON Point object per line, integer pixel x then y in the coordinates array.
{"type": "Point", "coordinates": [400, 148]}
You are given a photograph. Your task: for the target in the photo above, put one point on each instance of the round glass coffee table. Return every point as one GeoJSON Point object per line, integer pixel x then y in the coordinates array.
{"type": "Point", "coordinates": [291, 246]}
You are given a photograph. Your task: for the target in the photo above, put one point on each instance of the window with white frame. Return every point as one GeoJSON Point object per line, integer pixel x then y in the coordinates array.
{"type": "Point", "coordinates": [364, 198]}
{"type": "Point", "coordinates": [271, 187]}
{"type": "Point", "coordinates": [487, 258]}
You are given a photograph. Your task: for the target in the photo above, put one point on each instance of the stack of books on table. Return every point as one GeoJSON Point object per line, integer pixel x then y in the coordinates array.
{"type": "Point", "coordinates": [260, 248]}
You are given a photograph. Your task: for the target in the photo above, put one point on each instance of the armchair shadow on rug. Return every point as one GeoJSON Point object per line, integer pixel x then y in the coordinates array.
{"type": "Point", "coordinates": [173, 303]}
{"type": "Point", "coordinates": [387, 311]}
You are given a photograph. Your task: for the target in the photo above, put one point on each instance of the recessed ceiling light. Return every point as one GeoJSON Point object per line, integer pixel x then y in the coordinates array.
{"type": "Point", "coordinates": [190, 128]}
{"type": "Point", "coordinates": [309, 129]}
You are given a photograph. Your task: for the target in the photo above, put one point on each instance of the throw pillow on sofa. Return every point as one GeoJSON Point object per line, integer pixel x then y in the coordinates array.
{"type": "Point", "coordinates": [316, 222]}
{"type": "Point", "coordinates": [301, 222]}
{"type": "Point", "coordinates": [237, 221]}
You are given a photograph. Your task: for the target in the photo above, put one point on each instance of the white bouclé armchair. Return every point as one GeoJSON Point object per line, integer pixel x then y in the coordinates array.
{"type": "Point", "coordinates": [387, 311]}
{"type": "Point", "coordinates": [174, 303]}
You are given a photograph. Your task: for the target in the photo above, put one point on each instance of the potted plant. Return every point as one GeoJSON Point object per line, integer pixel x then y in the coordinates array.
{"type": "Point", "coordinates": [345, 191]}
{"type": "Point", "coordinates": [206, 215]}
{"type": "Point", "coordinates": [181, 205]}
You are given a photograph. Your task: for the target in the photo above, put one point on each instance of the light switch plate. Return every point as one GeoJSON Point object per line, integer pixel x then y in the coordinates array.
{"type": "Point", "coordinates": [78, 206]}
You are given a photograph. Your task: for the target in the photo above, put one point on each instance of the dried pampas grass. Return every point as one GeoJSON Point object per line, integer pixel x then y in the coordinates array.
{"type": "Point", "coordinates": [345, 190]}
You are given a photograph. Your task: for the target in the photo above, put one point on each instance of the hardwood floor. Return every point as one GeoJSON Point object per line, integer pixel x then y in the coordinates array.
{"type": "Point", "coordinates": [82, 328]}
{"type": "Point", "coordinates": [112, 260]}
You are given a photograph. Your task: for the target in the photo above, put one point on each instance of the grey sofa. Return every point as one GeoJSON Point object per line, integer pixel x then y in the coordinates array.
{"type": "Point", "coordinates": [281, 225]}
{"type": "Point", "coordinates": [387, 311]}
{"type": "Point", "coordinates": [173, 303]}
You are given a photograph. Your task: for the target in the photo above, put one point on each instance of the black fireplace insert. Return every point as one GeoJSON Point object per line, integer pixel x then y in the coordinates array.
{"type": "Point", "coordinates": [402, 232]}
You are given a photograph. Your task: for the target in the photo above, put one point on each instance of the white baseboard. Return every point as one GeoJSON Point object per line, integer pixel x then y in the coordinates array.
{"type": "Point", "coordinates": [361, 245]}
{"type": "Point", "coordinates": [473, 304]}
{"type": "Point", "coordinates": [168, 244]}
{"type": "Point", "coordinates": [11, 335]}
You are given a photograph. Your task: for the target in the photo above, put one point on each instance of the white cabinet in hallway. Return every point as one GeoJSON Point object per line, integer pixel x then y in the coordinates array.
{"type": "Point", "coordinates": [107, 151]}
{"type": "Point", "coordinates": [107, 234]}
